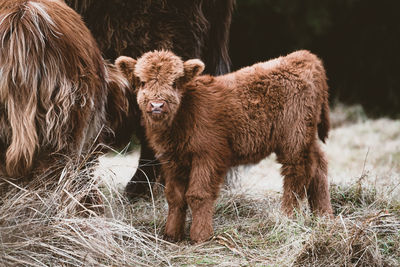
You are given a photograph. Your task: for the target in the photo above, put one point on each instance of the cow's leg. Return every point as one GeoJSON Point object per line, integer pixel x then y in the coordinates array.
{"type": "Point", "coordinates": [175, 187]}
{"type": "Point", "coordinates": [204, 186]}
{"type": "Point", "coordinates": [318, 190]}
{"type": "Point", "coordinates": [146, 173]}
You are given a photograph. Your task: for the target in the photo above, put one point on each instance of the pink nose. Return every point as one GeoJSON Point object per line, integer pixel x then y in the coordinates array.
{"type": "Point", "coordinates": [158, 106]}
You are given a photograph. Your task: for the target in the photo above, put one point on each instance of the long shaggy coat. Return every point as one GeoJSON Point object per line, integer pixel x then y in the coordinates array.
{"type": "Point", "coordinates": [191, 29]}
{"type": "Point", "coordinates": [55, 88]}
{"type": "Point", "coordinates": [200, 126]}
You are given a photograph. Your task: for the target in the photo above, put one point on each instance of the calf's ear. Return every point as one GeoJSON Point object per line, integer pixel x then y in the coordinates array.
{"type": "Point", "coordinates": [126, 65]}
{"type": "Point", "coordinates": [192, 68]}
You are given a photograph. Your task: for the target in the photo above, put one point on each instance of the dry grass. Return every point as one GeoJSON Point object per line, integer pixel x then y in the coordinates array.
{"type": "Point", "coordinates": [45, 224]}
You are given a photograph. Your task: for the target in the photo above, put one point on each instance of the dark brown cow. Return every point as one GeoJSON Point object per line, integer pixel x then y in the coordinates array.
{"type": "Point", "coordinates": [57, 95]}
{"type": "Point", "coordinates": [192, 29]}
{"type": "Point", "coordinates": [200, 126]}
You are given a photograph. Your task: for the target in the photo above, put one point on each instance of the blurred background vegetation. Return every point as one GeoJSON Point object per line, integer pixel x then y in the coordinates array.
{"type": "Point", "coordinates": [358, 40]}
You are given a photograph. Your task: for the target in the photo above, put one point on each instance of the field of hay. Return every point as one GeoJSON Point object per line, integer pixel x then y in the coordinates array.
{"type": "Point", "coordinates": [46, 225]}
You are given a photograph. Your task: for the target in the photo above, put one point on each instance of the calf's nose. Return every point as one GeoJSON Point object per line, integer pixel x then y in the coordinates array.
{"type": "Point", "coordinates": [156, 106]}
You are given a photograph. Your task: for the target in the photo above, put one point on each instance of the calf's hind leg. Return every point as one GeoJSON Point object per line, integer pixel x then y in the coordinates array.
{"type": "Point", "coordinates": [295, 182]}
{"type": "Point", "coordinates": [318, 190]}
{"type": "Point", "coordinates": [305, 173]}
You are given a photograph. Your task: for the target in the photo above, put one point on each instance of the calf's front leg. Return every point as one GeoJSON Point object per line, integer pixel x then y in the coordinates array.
{"type": "Point", "coordinates": [204, 185]}
{"type": "Point", "coordinates": [175, 187]}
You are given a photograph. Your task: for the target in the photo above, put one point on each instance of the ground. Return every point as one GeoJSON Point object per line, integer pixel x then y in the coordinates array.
{"type": "Point", "coordinates": [50, 228]}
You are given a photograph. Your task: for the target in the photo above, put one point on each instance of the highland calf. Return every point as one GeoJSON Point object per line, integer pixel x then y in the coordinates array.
{"type": "Point", "coordinates": [57, 95]}
{"type": "Point", "coordinates": [200, 125]}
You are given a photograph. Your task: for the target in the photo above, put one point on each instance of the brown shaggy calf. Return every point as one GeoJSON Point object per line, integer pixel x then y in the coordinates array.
{"type": "Point", "coordinates": [191, 29]}
{"type": "Point", "coordinates": [200, 126]}
{"type": "Point", "coordinates": [57, 95]}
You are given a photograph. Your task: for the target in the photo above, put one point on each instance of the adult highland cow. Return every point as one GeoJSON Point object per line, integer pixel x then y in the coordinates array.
{"type": "Point", "coordinates": [56, 92]}
{"type": "Point", "coordinates": [192, 29]}
{"type": "Point", "coordinates": [200, 126]}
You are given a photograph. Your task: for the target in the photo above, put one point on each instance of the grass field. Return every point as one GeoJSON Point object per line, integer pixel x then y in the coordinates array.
{"type": "Point", "coordinates": [45, 224]}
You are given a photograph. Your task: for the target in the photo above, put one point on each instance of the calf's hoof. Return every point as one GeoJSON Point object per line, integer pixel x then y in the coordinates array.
{"type": "Point", "coordinates": [173, 238]}
{"type": "Point", "coordinates": [200, 235]}
{"type": "Point", "coordinates": [328, 213]}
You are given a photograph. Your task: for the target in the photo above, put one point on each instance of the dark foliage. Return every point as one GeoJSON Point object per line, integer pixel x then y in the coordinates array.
{"type": "Point", "coordinates": [357, 39]}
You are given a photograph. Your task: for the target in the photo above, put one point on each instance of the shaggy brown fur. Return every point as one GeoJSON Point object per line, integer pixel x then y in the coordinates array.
{"type": "Point", "coordinates": [200, 126]}
{"type": "Point", "coordinates": [192, 29]}
{"type": "Point", "coordinates": [55, 87]}
{"type": "Point", "coordinates": [197, 28]}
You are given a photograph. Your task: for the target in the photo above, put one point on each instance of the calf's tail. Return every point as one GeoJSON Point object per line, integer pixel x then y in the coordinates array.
{"type": "Point", "coordinates": [324, 124]}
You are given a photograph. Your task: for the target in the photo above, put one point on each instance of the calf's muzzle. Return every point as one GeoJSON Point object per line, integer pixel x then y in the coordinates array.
{"type": "Point", "coordinates": [157, 107]}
